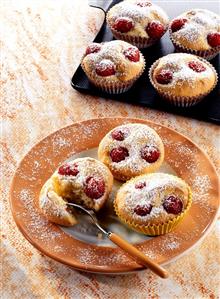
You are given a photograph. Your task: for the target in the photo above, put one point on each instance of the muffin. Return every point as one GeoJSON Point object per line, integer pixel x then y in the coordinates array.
{"type": "Point", "coordinates": [138, 22]}
{"type": "Point", "coordinates": [130, 150]}
{"type": "Point", "coordinates": [113, 66]}
{"type": "Point", "coordinates": [196, 31]}
{"type": "Point", "coordinates": [183, 79]}
{"type": "Point", "coordinates": [84, 181]}
{"type": "Point", "coordinates": [54, 207]}
{"type": "Point", "coordinates": [153, 204]}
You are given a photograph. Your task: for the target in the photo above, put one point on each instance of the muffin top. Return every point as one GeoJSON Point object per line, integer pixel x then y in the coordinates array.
{"type": "Point", "coordinates": [183, 75]}
{"type": "Point", "coordinates": [84, 180]}
{"type": "Point", "coordinates": [130, 149]}
{"type": "Point", "coordinates": [196, 29]}
{"type": "Point", "coordinates": [138, 18]}
{"type": "Point", "coordinates": [115, 61]}
{"type": "Point", "coordinates": [152, 199]}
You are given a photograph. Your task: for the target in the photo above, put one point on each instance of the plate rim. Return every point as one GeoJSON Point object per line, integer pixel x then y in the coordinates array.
{"type": "Point", "coordinates": [96, 268]}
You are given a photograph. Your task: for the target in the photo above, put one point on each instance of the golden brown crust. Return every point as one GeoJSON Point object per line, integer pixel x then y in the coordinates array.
{"type": "Point", "coordinates": [186, 82]}
{"type": "Point", "coordinates": [158, 187]}
{"type": "Point", "coordinates": [61, 188]}
{"type": "Point", "coordinates": [139, 136]}
{"type": "Point", "coordinates": [193, 35]}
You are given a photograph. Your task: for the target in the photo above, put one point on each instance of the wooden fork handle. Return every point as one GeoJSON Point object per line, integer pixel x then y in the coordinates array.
{"type": "Point", "coordinates": [138, 255]}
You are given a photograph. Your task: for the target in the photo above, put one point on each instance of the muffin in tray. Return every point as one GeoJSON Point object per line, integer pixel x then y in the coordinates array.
{"type": "Point", "coordinates": [139, 22]}
{"type": "Point", "coordinates": [113, 66]}
{"type": "Point", "coordinates": [196, 31]}
{"type": "Point", "coordinates": [85, 181]}
{"type": "Point", "coordinates": [183, 79]}
{"type": "Point", "coordinates": [154, 203]}
{"type": "Point", "coordinates": [130, 150]}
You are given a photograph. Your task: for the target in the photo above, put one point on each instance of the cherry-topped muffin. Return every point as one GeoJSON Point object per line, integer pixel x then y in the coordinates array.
{"type": "Point", "coordinates": [154, 203]}
{"type": "Point", "coordinates": [183, 79]}
{"type": "Point", "coordinates": [84, 181]}
{"type": "Point", "coordinates": [113, 66]}
{"type": "Point", "coordinates": [130, 150]}
{"type": "Point", "coordinates": [139, 22]}
{"type": "Point", "coordinates": [196, 31]}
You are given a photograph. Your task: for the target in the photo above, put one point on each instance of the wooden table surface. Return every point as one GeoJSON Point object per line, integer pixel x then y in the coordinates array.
{"type": "Point", "coordinates": [42, 44]}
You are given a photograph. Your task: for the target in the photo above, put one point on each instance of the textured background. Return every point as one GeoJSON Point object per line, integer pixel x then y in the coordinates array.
{"type": "Point", "coordinates": [42, 44]}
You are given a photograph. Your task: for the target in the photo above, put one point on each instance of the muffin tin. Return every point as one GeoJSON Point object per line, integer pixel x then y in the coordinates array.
{"type": "Point", "coordinates": [143, 93]}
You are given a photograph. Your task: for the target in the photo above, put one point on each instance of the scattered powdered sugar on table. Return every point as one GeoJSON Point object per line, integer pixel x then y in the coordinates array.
{"type": "Point", "coordinates": [37, 222]}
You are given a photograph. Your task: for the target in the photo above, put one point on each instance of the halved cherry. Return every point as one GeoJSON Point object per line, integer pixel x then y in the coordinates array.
{"type": "Point", "coordinates": [140, 185]}
{"type": "Point", "coordinates": [133, 54]}
{"type": "Point", "coordinates": [155, 29]}
{"type": "Point", "coordinates": [178, 24]}
{"type": "Point", "coordinates": [164, 77]}
{"type": "Point", "coordinates": [173, 205]}
{"type": "Point", "coordinates": [94, 187]}
{"type": "Point", "coordinates": [150, 153]}
{"type": "Point", "coordinates": [123, 24]}
{"type": "Point", "coordinates": [214, 39]}
{"type": "Point", "coordinates": [197, 66]}
{"type": "Point", "coordinates": [105, 68]}
{"type": "Point", "coordinates": [143, 210]}
{"type": "Point", "coordinates": [67, 169]}
{"type": "Point", "coordinates": [93, 48]}
{"type": "Point", "coordinates": [119, 154]}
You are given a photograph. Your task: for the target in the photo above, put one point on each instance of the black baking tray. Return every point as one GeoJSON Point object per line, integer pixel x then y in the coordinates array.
{"type": "Point", "coordinates": [142, 92]}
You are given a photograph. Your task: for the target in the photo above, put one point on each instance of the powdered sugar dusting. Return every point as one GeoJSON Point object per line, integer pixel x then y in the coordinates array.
{"type": "Point", "coordinates": [139, 136]}
{"type": "Point", "coordinates": [200, 22]}
{"type": "Point", "coordinates": [152, 194]}
{"type": "Point", "coordinates": [178, 63]}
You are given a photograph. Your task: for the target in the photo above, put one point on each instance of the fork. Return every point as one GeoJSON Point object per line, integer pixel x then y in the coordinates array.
{"type": "Point", "coordinates": [136, 254]}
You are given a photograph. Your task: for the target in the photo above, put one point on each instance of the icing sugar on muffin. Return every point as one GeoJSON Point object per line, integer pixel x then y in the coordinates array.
{"type": "Point", "coordinates": [113, 66]}
{"type": "Point", "coordinates": [84, 181]}
{"type": "Point", "coordinates": [198, 32]}
{"type": "Point", "coordinates": [183, 79]}
{"type": "Point", "coordinates": [138, 22]}
{"type": "Point", "coordinates": [130, 150]}
{"type": "Point", "coordinates": [154, 203]}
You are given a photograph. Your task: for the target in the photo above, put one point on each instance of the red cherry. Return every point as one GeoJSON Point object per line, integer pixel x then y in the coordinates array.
{"type": "Point", "coordinates": [119, 154]}
{"type": "Point", "coordinates": [164, 77]}
{"type": "Point", "coordinates": [93, 48]}
{"type": "Point", "coordinates": [173, 205]}
{"type": "Point", "coordinates": [155, 29]}
{"type": "Point", "coordinates": [67, 169]}
{"type": "Point", "coordinates": [105, 68]}
{"type": "Point", "coordinates": [197, 66]}
{"type": "Point", "coordinates": [94, 187]}
{"type": "Point", "coordinates": [119, 135]}
{"type": "Point", "coordinates": [132, 54]}
{"type": "Point", "coordinates": [150, 153]}
{"type": "Point", "coordinates": [140, 185]}
{"type": "Point", "coordinates": [214, 39]}
{"type": "Point", "coordinates": [143, 210]}
{"type": "Point", "coordinates": [178, 24]}
{"type": "Point", "coordinates": [143, 4]}
{"type": "Point", "coordinates": [123, 24]}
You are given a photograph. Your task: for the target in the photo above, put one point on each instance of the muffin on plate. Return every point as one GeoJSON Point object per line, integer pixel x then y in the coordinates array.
{"type": "Point", "coordinates": [84, 181]}
{"type": "Point", "coordinates": [153, 204]}
{"type": "Point", "coordinates": [183, 79]}
{"type": "Point", "coordinates": [196, 31]}
{"type": "Point", "coordinates": [113, 66]}
{"type": "Point", "coordinates": [130, 150]}
{"type": "Point", "coordinates": [138, 22]}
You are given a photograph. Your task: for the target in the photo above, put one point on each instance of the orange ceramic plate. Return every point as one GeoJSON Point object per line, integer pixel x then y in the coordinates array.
{"type": "Point", "coordinates": [182, 155]}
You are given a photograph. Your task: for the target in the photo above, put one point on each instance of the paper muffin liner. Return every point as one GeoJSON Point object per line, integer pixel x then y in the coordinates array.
{"type": "Point", "coordinates": [113, 87]}
{"type": "Point", "coordinates": [206, 54]}
{"type": "Point", "coordinates": [181, 101]}
{"type": "Point", "coordinates": [156, 229]}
